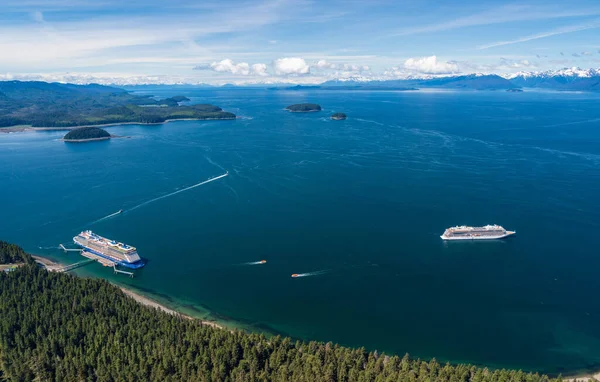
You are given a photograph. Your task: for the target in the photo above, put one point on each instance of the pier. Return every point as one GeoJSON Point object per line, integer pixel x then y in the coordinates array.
{"type": "Point", "coordinates": [69, 249]}
{"type": "Point", "coordinates": [70, 267]}
{"type": "Point", "coordinates": [130, 274]}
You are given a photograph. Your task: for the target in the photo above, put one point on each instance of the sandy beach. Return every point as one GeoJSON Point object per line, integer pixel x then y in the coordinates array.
{"type": "Point", "coordinates": [583, 378]}
{"type": "Point", "coordinates": [153, 304]}
{"type": "Point", "coordinates": [53, 266]}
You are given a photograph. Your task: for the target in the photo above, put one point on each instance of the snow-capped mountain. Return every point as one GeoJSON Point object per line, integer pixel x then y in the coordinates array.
{"type": "Point", "coordinates": [562, 79]}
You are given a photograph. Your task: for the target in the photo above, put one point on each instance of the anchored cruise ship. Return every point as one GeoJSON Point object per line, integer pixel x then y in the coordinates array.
{"type": "Point", "coordinates": [487, 232]}
{"type": "Point", "coordinates": [109, 250]}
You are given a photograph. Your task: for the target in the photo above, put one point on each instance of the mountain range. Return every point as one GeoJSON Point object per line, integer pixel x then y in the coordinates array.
{"type": "Point", "coordinates": [573, 79]}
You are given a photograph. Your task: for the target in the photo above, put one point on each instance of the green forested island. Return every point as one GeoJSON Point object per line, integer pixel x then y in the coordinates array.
{"type": "Point", "coordinates": [82, 134]}
{"type": "Point", "coordinates": [338, 116]}
{"type": "Point", "coordinates": [41, 104]}
{"type": "Point", "coordinates": [59, 327]}
{"type": "Point", "coordinates": [304, 107]}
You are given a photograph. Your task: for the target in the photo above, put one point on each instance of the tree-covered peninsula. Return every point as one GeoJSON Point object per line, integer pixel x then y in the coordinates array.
{"type": "Point", "coordinates": [41, 104]}
{"type": "Point", "coordinates": [303, 107]}
{"type": "Point", "coordinates": [59, 327]}
{"type": "Point", "coordinates": [84, 134]}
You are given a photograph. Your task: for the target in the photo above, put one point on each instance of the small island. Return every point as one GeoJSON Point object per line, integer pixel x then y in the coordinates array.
{"type": "Point", "coordinates": [338, 116]}
{"type": "Point", "coordinates": [86, 134]}
{"type": "Point", "coordinates": [303, 107]}
{"type": "Point", "coordinates": [515, 90]}
{"type": "Point", "coordinates": [172, 101]}
{"type": "Point", "coordinates": [180, 98]}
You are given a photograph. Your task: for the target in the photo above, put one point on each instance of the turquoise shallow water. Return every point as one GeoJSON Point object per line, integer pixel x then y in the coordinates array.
{"type": "Point", "coordinates": [361, 203]}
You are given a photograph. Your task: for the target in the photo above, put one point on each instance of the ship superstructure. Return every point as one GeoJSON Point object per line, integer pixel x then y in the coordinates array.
{"type": "Point", "coordinates": [487, 232]}
{"type": "Point", "coordinates": [109, 250]}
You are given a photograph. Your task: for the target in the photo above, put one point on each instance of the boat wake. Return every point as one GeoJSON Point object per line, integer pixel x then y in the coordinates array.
{"type": "Point", "coordinates": [308, 274]}
{"type": "Point", "coordinates": [256, 262]}
{"type": "Point", "coordinates": [178, 192]}
{"type": "Point", "coordinates": [106, 217]}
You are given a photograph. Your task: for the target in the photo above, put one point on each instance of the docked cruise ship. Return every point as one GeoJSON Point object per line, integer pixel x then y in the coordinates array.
{"type": "Point", "coordinates": [487, 232]}
{"type": "Point", "coordinates": [109, 250]}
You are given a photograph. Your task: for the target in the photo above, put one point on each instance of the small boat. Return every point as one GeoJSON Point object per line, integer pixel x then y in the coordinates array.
{"type": "Point", "coordinates": [295, 275]}
{"type": "Point", "coordinates": [263, 261]}
{"type": "Point", "coordinates": [120, 211]}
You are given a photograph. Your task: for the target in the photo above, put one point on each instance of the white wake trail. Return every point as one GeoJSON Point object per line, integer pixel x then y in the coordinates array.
{"type": "Point", "coordinates": [106, 217]}
{"type": "Point", "coordinates": [256, 262]}
{"type": "Point", "coordinates": [178, 191]}
{"type": "Point", "coordinates": [316, 273]}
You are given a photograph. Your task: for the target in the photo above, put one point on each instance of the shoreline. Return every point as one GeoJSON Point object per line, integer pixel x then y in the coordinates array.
{"type": "Point", "coordinates": [23, 128]}
{"type": "Point", "coordinates": [142, 299]}
{"type": "Point", "coordinates": [53, 266]}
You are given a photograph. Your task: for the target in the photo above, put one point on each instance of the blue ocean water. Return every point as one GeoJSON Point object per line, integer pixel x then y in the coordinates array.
{"type": "Point", "coordinates": [357, 205]}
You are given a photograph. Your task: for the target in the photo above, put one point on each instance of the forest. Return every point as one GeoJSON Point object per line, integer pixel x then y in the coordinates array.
{"type": "Point", "coordinates": [13, 254]}
{"type": "Point", "coordinates": [60, 327]}
{"type": "Point", "coordinates": [84, 133]}
{"type": "Point", "coordinates": [41, 104]}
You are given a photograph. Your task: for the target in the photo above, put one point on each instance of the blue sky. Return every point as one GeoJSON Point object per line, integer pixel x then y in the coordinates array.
{"type": "Point", "coordinates": [300, 41]}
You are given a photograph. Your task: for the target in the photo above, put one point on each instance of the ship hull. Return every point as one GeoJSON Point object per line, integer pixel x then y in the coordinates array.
{"type": "Point", "coordinates": [136, 265]}
{"type": "Point", "coordinates": [490, 237]}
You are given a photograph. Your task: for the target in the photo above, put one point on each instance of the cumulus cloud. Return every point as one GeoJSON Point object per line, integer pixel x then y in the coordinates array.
{"type": "Point", "coordinates": [260, 70]}
{"type": "Point", "coordinates": [291, 66]}
{"type": "Point", "coordinates": [324, 64]}
{"type": "Point", "coordinates": [430, 65]}
{"type": "Point", "coordinates": [241, 68]}
{"type": "Point", "coordinates": [229, 66]}
{"type": "Point", "coordinates": [586, 53]}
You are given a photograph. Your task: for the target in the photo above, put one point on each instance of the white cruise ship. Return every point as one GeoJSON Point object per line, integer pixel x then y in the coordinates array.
{"type": "Point", "coordinates": [488, 232]}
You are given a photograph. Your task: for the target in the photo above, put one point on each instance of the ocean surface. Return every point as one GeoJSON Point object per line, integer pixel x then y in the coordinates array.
{"type": "Point", "coordinates": [355, 206]}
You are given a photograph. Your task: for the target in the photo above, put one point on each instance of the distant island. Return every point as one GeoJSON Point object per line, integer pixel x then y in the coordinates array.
{"type": "Point", "coordinates": [86, 134]}
{"type": "Point", "coordinates": [304, 107]}
{"type": "Point", "coordinates": [515, 90]}
{"type": "Point", "coordinates": [338, 116]}
{"type": "Point", "coordinates": [54, 105]}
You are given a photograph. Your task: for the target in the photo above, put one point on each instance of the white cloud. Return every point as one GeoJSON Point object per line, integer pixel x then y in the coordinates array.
{"type": "Point", "coordinates": [228, 65]}
{"type": "Point", "coordinates": [430, 65]}
{"type": "Point", "coordinates": [260, 70]}
{"type": "Point", "coordinates": [324, 64]}
{"type": "Point", "coordinates": [291, 65]}
{"type": "Point", "coordinates": [241, 68]}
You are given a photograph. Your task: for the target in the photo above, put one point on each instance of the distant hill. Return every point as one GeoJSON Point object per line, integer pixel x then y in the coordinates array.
{"type": "Point", "coordinates": [42, 104]}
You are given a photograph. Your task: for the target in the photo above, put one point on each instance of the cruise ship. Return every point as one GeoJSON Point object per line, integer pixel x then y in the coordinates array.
{"type": "Point", "coordinates": [109, 250]}
{"type": "Point", "coordinates": [487, 232]}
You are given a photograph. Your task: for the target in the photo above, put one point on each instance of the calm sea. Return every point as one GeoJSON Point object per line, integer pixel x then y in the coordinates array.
{"type": "Point", "coordinates": [356, 206]}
